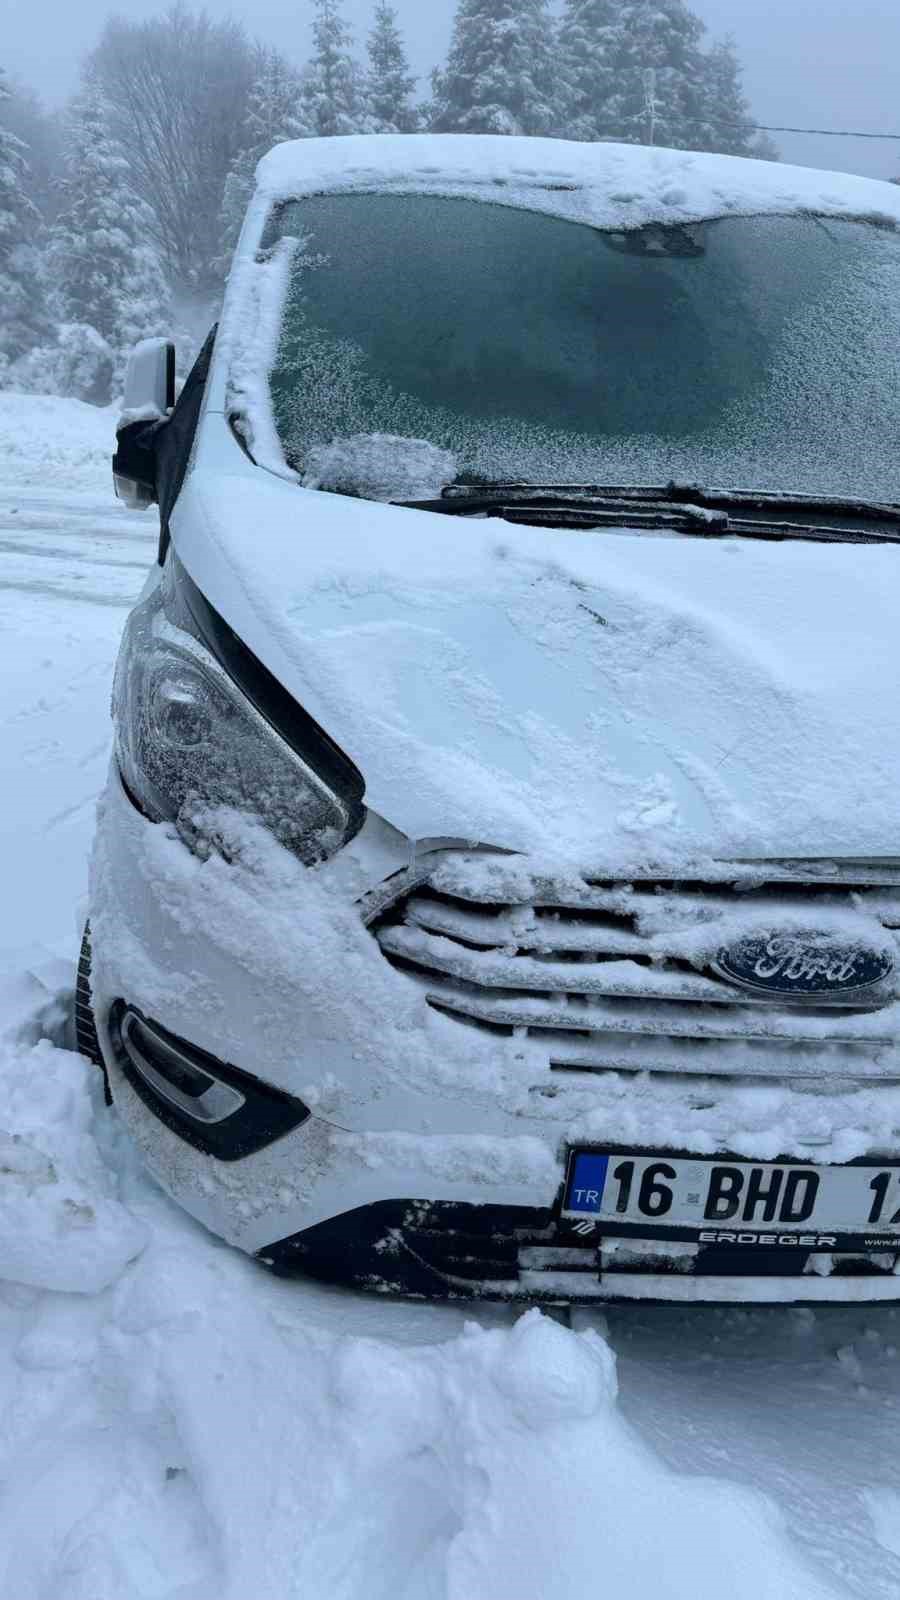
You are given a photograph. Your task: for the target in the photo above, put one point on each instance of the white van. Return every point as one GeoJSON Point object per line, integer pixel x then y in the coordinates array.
{"type": "Point", "coordinates": [497, 885]}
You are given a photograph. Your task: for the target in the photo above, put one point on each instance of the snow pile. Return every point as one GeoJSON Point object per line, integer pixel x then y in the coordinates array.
{"type": "Point", "coordinates": [178, 1423]}
{"type": "Point", "coordinates": [45, 440]}
{"type": "Point", "coordinates": [61, 1226]}
{"type": "Point", "coordinates": [58, 1231]}
{"type": "Point", "coordinates": [380, 466]}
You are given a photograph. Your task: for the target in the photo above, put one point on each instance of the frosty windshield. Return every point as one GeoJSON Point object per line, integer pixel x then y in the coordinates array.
{"type": "Point", "coordinates": [747, 352]}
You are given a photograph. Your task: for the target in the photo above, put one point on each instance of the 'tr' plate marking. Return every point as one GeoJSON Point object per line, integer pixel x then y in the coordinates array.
{"type": "Point", "coordinates": [588, 1183]}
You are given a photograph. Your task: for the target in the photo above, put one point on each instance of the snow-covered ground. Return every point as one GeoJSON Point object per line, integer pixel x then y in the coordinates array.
{"type": "Point", "coordinates": [176, 1423]}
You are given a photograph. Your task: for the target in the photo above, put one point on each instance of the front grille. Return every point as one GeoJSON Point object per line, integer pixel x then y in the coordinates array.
{"type": "Point", "coordinates": [605, 971]}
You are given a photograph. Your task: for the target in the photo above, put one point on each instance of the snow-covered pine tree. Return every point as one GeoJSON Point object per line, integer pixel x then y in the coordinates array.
{"type": "Point", "coordinates": [585, 80]}
{"type": "Point", "coordinates": [23, 114]}
{"type": "Point", "coordinates": [334, 93]}
{"type": "Point", "coordinates": [606, 49]}
{"type": "Point", "coordinates": [391, 84]}
{"type": "Point", "coordinates": [627, 40]}
{"type": "Point", "coordinates": [500, 75]}
{"type": "Point", "coordinates": [18, 290]}
{"type": "Point", "coordinates": [666, 36]}
{"type": "Point", "coordinates": [105, 275]}
{"type": "Point", "coordinates": [275, 112]}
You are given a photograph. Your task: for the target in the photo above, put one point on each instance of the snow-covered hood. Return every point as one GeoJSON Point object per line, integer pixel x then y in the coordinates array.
{"type": "Point", "coordinates": [609, 696]}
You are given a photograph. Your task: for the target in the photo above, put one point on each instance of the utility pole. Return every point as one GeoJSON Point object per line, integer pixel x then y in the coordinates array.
{"type": "Point", "coordinates": [651, 105]}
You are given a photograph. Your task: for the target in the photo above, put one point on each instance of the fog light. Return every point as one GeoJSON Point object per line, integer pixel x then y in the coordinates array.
{"type": "Point", "coordinates": [217, 1108]}
{"type": "Point", "coordinates": [171, 1074]}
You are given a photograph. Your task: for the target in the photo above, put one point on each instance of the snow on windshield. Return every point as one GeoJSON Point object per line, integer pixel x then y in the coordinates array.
{"type": "Point", "coordinates": [751, 351]}
{"type": "Point", "coordinates": [380, 466]}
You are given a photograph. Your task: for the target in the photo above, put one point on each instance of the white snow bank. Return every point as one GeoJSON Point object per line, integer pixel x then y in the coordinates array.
{"type": "Point", "coordinates": [609, 185]}
{"type": "Point", "coordinates": [196, 1434]}
{"type": "Point", "coordinates": [46, 440]}
{"type": "Point", "coordinates": [61, 1225]}
{"type": "Point", "coordinates": [205, 1431]}
{"type": "Point", "coordinates": [29, 1011]}
{"type": "Point", "coordinates": [55, 1231]}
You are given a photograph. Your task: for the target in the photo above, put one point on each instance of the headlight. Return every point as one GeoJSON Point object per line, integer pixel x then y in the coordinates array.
{"type": "Point", "coordinates": [191, 740]}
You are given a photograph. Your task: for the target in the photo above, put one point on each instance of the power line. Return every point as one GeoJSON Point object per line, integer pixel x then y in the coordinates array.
{"type": "Point", "coordinates": [761, 127]}
{"type": "Point", "coordinates": [826, 133]}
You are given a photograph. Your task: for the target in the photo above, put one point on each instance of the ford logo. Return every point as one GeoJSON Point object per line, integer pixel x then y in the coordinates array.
{"type": "Point", "coordinates": [807, 965]}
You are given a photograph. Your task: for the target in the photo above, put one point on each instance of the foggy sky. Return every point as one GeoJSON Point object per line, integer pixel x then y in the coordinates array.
{"type": "Point", "coordinates": [813, 63]}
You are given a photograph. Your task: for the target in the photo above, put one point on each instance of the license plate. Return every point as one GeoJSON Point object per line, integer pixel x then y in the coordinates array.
{"type": "Point", "coordinates": [732, 1202]}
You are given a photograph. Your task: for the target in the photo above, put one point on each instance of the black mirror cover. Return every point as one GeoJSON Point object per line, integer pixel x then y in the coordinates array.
{"type": "Point", "coordinates": [170, 376]}
{"type": "Point", "coordinates": [134, 465]}
{"type": "Point", "coordinates": [152, 456]}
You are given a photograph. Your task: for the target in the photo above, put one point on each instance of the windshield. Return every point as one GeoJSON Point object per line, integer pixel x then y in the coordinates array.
{"type": "Point", "coordinates": [749, 352]}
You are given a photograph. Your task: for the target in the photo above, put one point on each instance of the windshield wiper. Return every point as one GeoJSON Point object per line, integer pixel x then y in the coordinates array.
{"type": "Point", "coordinates": [683, 508]}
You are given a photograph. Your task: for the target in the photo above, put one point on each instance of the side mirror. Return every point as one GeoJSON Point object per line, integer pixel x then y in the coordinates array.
{"type": "Point", "coordinates": [147, 402]}
{"type": "Point", "coordinates": [149, 382]}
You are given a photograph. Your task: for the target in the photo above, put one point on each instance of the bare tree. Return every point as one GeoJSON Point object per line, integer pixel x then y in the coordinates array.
{"type": "Point", "coordinates": [274, 114]}
{"type": "Point", "coordinates": [177, 89]}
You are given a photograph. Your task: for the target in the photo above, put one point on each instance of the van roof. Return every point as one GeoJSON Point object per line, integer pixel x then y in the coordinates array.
{"type": "Point", "coordinates": [606, 185]}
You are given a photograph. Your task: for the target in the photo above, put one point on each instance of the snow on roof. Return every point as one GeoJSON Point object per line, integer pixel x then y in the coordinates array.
{"type": "Point", "coordinates": [607, 185]}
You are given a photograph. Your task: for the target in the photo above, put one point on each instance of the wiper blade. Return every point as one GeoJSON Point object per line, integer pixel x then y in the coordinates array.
{"type": "Point", "coordinates": [683, 508]}
{"type": "Point", "coordinates": [573, 506]}
{"type": "Point", "coordinates": [696, 494]}
{"type": "Point", "coordinates": [775, 501]}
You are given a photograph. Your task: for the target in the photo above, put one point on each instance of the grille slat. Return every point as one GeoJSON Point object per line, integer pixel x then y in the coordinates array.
{"type": "Point", "coordinates": [606, 965]}
{"type": "Point", "coordinates": [503, 879]}
{"type": "Point", "coordinates": [493, 970]}
{"type": "Point", "coordinates": [682, 1023]}
{"type": "Point", "coordinates": [526, 931]}
{"type": "Point", "coordinates": [701, 1059]}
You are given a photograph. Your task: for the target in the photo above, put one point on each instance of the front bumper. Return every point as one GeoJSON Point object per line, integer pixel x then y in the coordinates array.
{"type": "Point", "coordinates": [433, 1161]}
{"type": "Point", "coordinates": [439, 1251]}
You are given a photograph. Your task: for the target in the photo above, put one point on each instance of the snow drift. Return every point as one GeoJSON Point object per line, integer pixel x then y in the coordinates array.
{"type": "Point", "coordinates": [179, 1424]}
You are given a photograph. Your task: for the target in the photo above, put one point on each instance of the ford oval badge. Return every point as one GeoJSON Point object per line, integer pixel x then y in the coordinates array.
{"type": "Point", "coordinates": [807, 965]}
